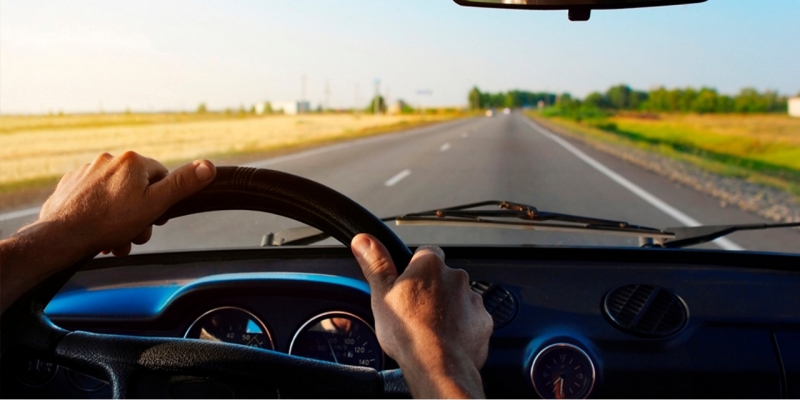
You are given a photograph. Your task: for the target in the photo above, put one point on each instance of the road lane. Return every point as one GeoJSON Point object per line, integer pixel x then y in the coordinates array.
{"type": "Point", "coordinates": [500, 158]}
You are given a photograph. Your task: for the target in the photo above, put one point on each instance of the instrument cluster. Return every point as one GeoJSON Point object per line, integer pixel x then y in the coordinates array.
{"type": "Point", "coordinates": [335, 336]}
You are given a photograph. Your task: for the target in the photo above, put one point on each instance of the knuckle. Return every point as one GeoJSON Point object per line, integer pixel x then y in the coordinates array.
{"type": "Point", "coordinates": [129, 157]}
{"type": "Point", "coordinates": [376, 267]}
{"type": "Point", "coordinates": [461, 276]}
{"type": "Point", "coordinates": [430, 259]}
{"type": "Point", "coordinates": [102, 157]}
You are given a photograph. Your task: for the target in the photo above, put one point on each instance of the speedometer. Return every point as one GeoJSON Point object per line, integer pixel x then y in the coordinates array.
{"type": "Point", "coordinates": [338, 337]}
{"type": "Point", "coordinates": [231, 325]}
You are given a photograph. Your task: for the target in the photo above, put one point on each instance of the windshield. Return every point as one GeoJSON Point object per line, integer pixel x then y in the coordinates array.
{"type": "Point", "coordinates": [661, 117]}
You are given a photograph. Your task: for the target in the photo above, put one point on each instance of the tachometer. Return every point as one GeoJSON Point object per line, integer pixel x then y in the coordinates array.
{"type": "Point", "coordinates": [231, 325]}
{"type": "Point", "coordinates": [562, 371]}
{"type": "Point", "coordinates": [338, 337]}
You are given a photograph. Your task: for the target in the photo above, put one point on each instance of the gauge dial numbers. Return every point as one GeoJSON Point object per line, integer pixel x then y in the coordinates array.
{"type": "Point", "coordinates": [563, 371]}
{"type": "Point", "coordinates": [231, 325]}
{"type": "Point", "coordinates": [340, 338]}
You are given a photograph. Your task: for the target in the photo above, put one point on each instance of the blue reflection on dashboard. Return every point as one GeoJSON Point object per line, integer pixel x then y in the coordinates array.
{"type": "Point", "coordinates": [149, 301]}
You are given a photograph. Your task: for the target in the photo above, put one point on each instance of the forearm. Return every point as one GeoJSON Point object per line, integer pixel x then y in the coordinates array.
{"type": "Point", "coordinates": [33, 254]}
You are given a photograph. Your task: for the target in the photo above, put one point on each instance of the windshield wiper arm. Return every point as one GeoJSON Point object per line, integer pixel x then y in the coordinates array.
{"type": "Point", "coordinates": [515, 210]}
{"type": "Point", "coordinates": [533, 219]}
{"type": "Point", "coordinates": [690, 236]}
{"type": "Point", "coordinates": [470, 215]}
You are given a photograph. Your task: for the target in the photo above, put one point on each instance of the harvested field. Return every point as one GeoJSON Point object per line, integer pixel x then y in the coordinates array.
{"type": "Point", "coordinates": [35, 149]}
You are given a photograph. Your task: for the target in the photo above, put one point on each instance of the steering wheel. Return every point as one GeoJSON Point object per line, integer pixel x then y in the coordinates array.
{"type": "Point", "coordinates": [127, 361]}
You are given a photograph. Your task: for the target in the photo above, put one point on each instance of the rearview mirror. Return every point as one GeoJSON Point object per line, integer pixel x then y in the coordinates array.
{"type": "Point", "coordinates": [579, 10]}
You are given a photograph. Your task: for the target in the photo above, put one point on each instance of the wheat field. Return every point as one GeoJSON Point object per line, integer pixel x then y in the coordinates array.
{"type": "Point", "coordinates": [32, 149]}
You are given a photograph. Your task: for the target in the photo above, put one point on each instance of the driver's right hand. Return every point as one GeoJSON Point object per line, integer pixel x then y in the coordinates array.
{"type": "Point", "coordinates": [427, 319]}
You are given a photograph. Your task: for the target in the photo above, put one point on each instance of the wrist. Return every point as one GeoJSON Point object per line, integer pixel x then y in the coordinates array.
{"type": "Point", "coordinates": [441, 372]}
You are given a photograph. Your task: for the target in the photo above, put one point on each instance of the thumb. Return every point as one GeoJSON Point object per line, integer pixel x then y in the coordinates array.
{"type": "Point", "coordinates": [376, 263]}
{"type": "Point", "coordinates": [182, 182]}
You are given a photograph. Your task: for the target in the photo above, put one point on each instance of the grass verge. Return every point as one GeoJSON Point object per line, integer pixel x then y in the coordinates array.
{"type": "Point", "coordinates": [759, 149]}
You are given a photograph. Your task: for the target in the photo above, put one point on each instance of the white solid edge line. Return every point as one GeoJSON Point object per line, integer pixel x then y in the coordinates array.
{"type": "Point", "coordinates": [673, 212]}
{"type": "Point", "coordinates": [19, 214]}
{"type": "Point", "coordinates": [397, 178]}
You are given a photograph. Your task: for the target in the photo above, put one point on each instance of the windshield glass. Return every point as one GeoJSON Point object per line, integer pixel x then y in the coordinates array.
{"type": "Point", "coordinates": [661, 117]}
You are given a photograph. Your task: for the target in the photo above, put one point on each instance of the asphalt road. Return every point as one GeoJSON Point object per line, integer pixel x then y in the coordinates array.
{"type": "Point", "coordinates": [507, 157]}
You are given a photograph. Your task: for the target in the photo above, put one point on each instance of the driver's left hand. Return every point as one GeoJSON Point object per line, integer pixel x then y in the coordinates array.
{"type": "Point", "coordinates": [113, 201]}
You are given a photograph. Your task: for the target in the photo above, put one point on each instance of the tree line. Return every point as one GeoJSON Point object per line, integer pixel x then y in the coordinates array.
{"type": "Point", "coordinates": [512, 99]}
{"type": "Point", "coordinates": [623, 98]}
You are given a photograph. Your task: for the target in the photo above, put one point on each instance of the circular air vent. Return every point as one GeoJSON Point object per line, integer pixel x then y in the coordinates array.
{"type": "Point", "coordinates": [645, 310]}
{"type": "Point", "coordinates": [499, 302]}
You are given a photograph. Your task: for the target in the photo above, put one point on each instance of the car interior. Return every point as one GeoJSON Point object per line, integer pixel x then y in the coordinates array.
{"type": "Point", "coordinates": [295, 320]}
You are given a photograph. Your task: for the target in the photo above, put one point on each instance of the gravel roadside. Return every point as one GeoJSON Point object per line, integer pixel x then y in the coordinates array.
{"type": "Point", "coordinates": [765, 201]}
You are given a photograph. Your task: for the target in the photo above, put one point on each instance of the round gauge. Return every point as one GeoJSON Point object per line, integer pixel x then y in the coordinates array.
{"type": "Point", "coordinates": [562, 371]}
{"type": "Point", "coordinates": [231, 325]}
{"type": "Point", "coordinates": [84, 382]}
{"type": "Point", "coordinates": [36, 373]}
{"type": "Point", "coordinates": [338, 337]}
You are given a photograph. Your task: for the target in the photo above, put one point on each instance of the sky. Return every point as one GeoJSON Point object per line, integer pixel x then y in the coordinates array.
{"type": "Point", "coordinates": [89, 56]}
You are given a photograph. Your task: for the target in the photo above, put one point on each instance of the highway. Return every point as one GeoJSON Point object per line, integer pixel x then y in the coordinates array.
{"type": "Point", "coordinates": [506, 157]}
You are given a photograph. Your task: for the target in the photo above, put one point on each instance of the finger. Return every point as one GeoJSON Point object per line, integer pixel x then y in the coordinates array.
{"type": "Point", "coordinates": [182, 182]}
{"type": "Point", "coordinates": [376, 263]}
{"type": "Point", "coordinates": [155, 170]}
{"type": "Point", "coordinates": [143, 237]}
{"type": "Point", "coordinates": [161, 221]}
{"type": "Point", "coordinates": [122, 251]}
{"type": "Point", "coordinates": [106, 251]}
{"type": "Point", "coordinates": [430, 249]}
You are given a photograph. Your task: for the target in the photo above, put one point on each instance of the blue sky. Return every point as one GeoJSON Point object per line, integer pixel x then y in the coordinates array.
{"type": "Point", "coordinates": [149, 55]}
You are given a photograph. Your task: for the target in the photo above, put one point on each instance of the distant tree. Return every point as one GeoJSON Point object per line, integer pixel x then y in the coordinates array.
{"type": "Point", "coordinates": [622, 97]}
{"type": "Point", "coordinates": [705, 102]}
{"type": "Point", "coordinates": [474, 98]}
{"type": "Point", "coordinates": [597, 100]}
{"type": "Point", "coordinates": [381, 105]}
{"type": "Point", "coordinates": [201, 108]}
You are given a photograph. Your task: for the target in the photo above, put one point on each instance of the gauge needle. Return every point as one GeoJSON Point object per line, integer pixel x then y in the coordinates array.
{"type": "Point", "coordinates": [560, 383]}
{"type": "Point", "coordinates": [336, 360]}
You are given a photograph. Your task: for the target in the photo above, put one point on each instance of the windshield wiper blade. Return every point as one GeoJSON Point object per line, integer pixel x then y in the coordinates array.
{"type": "Point", "coordinates": [690, 236]}
{"type": "Point", "coordinates": [518, 211]}
{"type": "Point", "coordinates": [521, 216]}
{"type": "Point", "coordinates": [470, 215]}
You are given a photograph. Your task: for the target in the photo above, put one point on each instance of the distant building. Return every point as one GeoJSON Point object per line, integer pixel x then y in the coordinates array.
{"type": "Point", "coordinates": [262, 107]}
{"type": "Point", "coordinates": [292, 107]}
{"type": "Point", "coordinates": [794, 107]}
{"type": "Point", "coordinates": [397, 107]}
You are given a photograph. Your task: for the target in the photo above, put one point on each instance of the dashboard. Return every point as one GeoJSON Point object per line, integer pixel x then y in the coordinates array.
{"type": "Point", "coordinates": [569, 322]}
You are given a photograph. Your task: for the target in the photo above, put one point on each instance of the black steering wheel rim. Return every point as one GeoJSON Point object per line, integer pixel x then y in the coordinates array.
{"type": "Point", "coordinates": [118, 358]}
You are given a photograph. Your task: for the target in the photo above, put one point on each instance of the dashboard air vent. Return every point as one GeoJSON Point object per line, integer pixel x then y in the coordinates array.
{"type": "Point", "coordinates": [499, 302]}
{"type": "Point", "coordinates": [645, 310]}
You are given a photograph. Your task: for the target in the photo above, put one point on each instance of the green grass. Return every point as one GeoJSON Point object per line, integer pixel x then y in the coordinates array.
{"type": "Point", "coordinates": [759, 148]}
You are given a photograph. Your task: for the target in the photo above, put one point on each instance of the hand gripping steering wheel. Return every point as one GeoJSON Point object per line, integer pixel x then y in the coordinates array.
{"type": "Point", "coordinates": [124, 360]}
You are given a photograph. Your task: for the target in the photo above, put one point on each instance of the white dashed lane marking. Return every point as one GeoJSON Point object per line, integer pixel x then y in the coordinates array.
{"type": "Point", "coordinates": [397, 178]}
{"type": "Point", "coordinates": [445, 147]}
